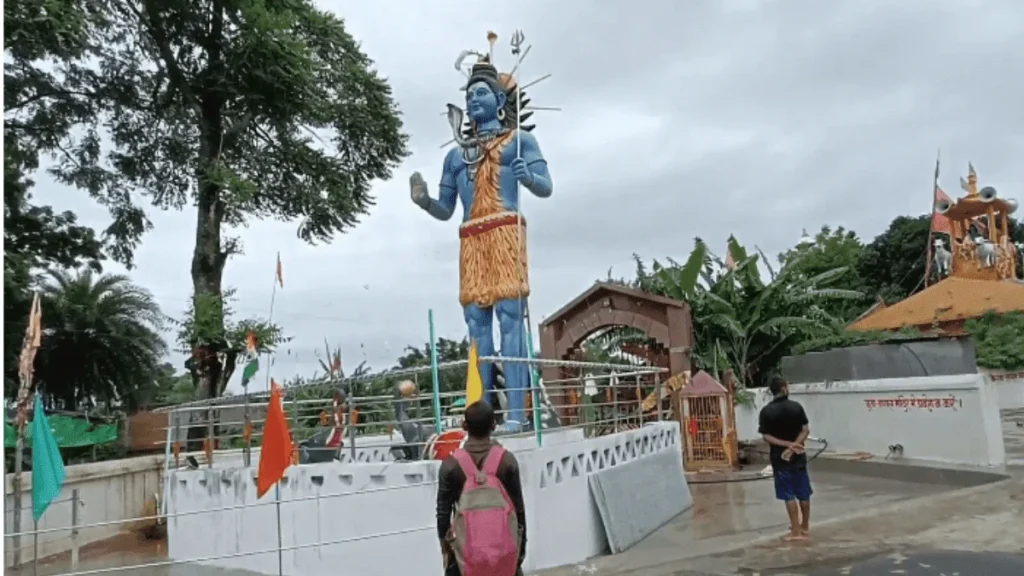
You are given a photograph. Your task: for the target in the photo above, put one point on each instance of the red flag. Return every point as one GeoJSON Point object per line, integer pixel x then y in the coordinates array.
{"type": "Point", "coordinates": [280, 275]}
{"type": "Point", "coordinates": [730, 262]}
{"type": "Point", "coordinates": [940, 223]}
{"type": "Point", "coordinates": [276, 453]}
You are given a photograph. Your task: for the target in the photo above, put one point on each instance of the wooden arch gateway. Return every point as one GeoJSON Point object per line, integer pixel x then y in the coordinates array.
{"type": "Point", "coordinates": [666, 321]}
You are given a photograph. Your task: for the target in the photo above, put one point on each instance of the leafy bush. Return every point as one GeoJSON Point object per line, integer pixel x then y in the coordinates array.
{"type": "Point", "coordinates": [999, 340]}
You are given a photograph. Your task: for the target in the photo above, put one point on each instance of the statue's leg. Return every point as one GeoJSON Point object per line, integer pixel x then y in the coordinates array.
{"type": "Point", "coordinates": [480, 322]}
{"type": "Point", "coordinates": [517, 374]}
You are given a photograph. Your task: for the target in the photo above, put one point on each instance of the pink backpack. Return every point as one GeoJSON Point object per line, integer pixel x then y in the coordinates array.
{"type": "Point", "coordinates": [486, 528]}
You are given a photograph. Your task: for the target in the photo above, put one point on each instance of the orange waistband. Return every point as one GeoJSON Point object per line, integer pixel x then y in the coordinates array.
{"type": "Point", "coordinates": [477, 227]}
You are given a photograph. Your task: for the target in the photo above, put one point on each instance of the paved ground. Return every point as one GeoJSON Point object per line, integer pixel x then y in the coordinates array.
{"type": "Point", "coordinates": [857, 522]}
{"type": "Point", "coordinates": [932, 563]}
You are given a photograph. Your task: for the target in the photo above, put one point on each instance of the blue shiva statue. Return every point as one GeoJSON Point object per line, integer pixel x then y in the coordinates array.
{"type": "Point", "coordinates": [494, 153]}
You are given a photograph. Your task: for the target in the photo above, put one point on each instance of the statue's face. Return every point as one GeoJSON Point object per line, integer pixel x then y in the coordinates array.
{"type": "Point", "coordinates": [482, 104]}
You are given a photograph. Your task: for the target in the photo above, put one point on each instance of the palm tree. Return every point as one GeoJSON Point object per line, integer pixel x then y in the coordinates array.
{"type": "Point", "coordinates": [101, 339]}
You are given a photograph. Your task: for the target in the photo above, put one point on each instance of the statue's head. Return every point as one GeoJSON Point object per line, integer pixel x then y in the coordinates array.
{"type": "Point", "coordinates": [483, 102]}
{"type": "Point", "coordinates": [492, 96]}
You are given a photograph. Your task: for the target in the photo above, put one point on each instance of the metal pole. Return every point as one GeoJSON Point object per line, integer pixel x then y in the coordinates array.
{"type": "Point", "coordinates": [280, 544]}
{"type": "Point", "coordinates": [535, 390]}
{"type": "Point", "coordinates": [167, 468]}
{"type": "Point", "coordinates": [20, 447]}
{"type": "Point", "coordinates": [434, 375]}
{"type": "Point", "coordinates": [658, 391]}
{"type": "Point", "coordinates": [209, 437]}
{"type": "Point", "coordinates": [639, 401]}
{"type": "Point", "coordinates": [247, 436]}
{"type": "Point", "coordinates": [931, 226]}
{"type": "Point", "coordinates": [74, 529]}
{"type": "Point", "coordinates": [35, 546]}
{"type": "Point", "coordinates": [613, 384]}
{"type": "Point", "coordinates": [583, 408]}
{"type": "Point", "coordinates": [351, 417]}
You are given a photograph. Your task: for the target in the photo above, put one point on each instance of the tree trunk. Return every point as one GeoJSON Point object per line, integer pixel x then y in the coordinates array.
{"type": "Point", "coordinates": [208, 259]}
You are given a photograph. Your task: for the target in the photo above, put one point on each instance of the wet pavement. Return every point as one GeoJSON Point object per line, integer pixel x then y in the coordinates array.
{"type": "Point", "coordinates": [127, 555]}
{"type": "Point", "coordinates": [930, 563]}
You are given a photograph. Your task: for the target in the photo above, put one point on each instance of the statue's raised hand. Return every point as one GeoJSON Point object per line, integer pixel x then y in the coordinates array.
{"type": "Point", "coordinates": [522, 172]}
{"type": "Point", "coordinates": [418, 190]}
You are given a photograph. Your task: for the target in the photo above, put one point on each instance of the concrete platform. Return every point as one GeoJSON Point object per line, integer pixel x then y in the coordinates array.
{"type": "Point", "coordinates": [863, 512]}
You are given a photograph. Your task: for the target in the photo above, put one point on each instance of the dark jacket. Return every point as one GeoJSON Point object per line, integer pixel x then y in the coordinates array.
{"type": "Point", "coordinates": [451, 479]}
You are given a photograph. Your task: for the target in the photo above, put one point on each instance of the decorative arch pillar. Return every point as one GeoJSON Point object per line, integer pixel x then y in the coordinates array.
{"type": "Point", "coordinates": [604, 305]}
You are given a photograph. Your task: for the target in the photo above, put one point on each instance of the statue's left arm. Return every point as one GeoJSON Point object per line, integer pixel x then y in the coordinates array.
{"type": "Point", "coordinates": [540, 183]}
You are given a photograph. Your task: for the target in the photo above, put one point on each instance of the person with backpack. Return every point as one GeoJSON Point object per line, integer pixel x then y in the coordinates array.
{"type": "Point", "coordinates": [481, 518]}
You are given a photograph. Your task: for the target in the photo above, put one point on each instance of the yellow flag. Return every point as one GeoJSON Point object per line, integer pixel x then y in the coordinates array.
{"type": "Point", "coordinates": [474, 385]}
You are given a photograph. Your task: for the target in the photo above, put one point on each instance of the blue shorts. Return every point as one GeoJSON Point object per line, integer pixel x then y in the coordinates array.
{"type": "Point", "coordinates": [792, 484]}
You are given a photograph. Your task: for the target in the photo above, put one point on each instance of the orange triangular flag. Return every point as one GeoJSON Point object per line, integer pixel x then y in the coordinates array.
{"type": "Point", "coordinates": [276, 452]}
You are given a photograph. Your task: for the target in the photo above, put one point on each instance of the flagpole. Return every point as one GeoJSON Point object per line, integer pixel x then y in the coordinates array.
{"type": "Point", "coordinates": [277, 485]}
{"type": "Point", "coordinates": [20, 447]}
{"type": "Point", "coordinates": [26, 362]}
{"type": "Point", "coordinates": [280, 543]}
{"type": "Point", "coordinates": [270, 314]}
{"type": "Point", "coordinates": [434, 377]}
{"type": "Point", "coordinates": [931, 222]}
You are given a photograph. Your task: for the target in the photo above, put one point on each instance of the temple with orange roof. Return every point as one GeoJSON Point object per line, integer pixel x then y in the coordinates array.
{"type": "Point", "coordinates": [977, 275]}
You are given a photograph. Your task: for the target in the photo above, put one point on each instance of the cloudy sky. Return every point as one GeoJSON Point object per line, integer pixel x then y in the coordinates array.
{"type": "Point", "coordinates": [680, 119]}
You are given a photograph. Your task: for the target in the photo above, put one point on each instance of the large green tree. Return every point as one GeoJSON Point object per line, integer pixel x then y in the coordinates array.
{"type": "Point", "coordinates": [35, 238]}
{"type": "Point", "coordinates": [243, 110]}
{"type": "Point", "coordinates": [831, 249]}
{"type": "Point", "coordinates": [101, 340]}
{"type": "Point", "coordinates": [892, 266]}
{"type": "Point", "coordinates": [38, 113]}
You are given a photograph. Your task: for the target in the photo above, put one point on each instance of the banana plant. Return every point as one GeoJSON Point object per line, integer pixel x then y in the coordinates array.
{"type": "Point", "coordinates": [741, 321]}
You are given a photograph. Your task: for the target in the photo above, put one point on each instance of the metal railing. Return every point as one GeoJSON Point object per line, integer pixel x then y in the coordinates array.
{"type": "Point", "coordinates": [601, 399]}
{"type": "Point", "coordinates": [74, 529]}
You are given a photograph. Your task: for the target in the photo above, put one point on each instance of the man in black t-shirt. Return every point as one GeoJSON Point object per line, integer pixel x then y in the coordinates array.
{"type": "Point", "coordinates": [783, 425]}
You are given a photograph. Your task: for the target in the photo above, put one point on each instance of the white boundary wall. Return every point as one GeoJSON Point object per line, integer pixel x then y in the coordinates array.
{"type": "Point", "coordinates": [377, 448]}
{"type": "Point", "coordinates": [384, 522]}
{"type": "Point", "coordinates": [1009, 387]}
{"type": "Point", "coordinates": [944, 419]}
{"type": "Point", "coordinates": [107, 492]}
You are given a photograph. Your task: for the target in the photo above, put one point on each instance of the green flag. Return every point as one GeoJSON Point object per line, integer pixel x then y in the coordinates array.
{"type": "Point", "coordinates": [47, 465]}
{"type": "Point", "coordinates": [250, 370]}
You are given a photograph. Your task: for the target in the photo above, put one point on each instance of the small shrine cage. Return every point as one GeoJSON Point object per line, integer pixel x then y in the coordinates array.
{"type": "Point", "coordinates": [704, 408]}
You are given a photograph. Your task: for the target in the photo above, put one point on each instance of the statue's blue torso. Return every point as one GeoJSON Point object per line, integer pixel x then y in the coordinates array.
{"type": "Point", "coordinates": [455, 170]}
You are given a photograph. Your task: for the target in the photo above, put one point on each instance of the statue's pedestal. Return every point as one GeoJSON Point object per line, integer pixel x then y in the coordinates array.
{"type": "Point", "coordinates": [379, 518]}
